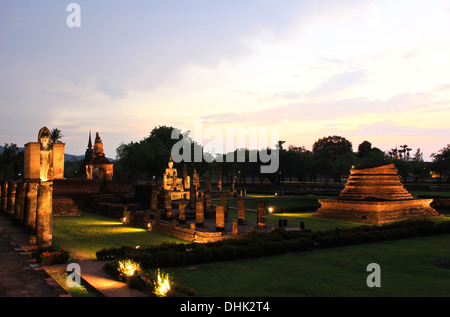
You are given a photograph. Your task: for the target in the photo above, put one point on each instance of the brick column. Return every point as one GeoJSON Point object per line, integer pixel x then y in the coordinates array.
{"type": "Point", "coordinates": [168, 203]}
{"type": "Point", "coordinates": [235, 228]}
{"type": "Point", "coordinates": [262, 214]}
{"type": "Point", "coordinates": [192, 197]}
{"type": "Point", "coordinates": [241, 210]}
{"type": "Point", "coordinates": [154, 198]}
{"type": "Point", "coordinates": [220, 218]}
{"type": "Point", "coordinates": [20, 201]}
{"type": "Point", "coordinates": [182, 211]}
{"type": "Point", "coordinates": [223, 202]}
{"type": "Point", "coordinates": [199, 214]}
{"type": "Point", "coordinates": [29, 218]}
{"type": "Point", "coordinates": [44, 214]}
{"type": "Point", "coordinates": [4, 200]}
{"type": "Point", "coordinates": [207, 203]}
{"type": "Point", "coordinates": [219, 179]}
{"type": "Point", "coordinates": [207, 181]}
{"type": "Point", "coordinates": [12, 186]}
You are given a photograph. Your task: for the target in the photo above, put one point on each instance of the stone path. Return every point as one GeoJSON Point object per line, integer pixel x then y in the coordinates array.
{"type": "Point", "coordinates": [92, 272]}
{"type": "Point", "coordinates": [20, 274]}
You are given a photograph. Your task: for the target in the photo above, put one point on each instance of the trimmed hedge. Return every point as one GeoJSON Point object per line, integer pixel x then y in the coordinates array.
{"type": "Point", "coordinates": [265, 244]}
{"type": "Point", "coordinates": [53, 257]}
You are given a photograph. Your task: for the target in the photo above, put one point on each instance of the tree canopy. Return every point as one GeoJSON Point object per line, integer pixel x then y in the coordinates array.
{"type": "Point", "coordinates": [11, 162]}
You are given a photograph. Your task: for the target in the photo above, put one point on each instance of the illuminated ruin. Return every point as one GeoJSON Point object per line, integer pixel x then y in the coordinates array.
{"type": "Point", "coordinates": [375, 194]}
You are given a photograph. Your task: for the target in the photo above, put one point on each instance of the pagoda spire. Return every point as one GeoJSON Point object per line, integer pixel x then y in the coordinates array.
{"type": "Point", "coordinates": [90, 142]}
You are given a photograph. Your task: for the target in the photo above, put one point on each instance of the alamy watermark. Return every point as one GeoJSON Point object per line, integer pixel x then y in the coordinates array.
{"type": "Point", "coordinates": [74, 18]}
{"type": "Point", "coordinates": [260, 141]}
{"type": "Point", "coordinates": [74, 278]}
{"type": "Point", "coordinates": [374, 278]}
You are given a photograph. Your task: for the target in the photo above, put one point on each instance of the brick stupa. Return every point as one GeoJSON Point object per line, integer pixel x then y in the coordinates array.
{"type": "Point", "coordinates": [375, 194]}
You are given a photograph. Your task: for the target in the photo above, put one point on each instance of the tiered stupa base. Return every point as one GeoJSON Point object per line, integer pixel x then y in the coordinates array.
{"type": "Point", "coordinates": [375, 195]}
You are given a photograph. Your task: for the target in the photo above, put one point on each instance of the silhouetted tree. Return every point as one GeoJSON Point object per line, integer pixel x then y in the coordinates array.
{"type": "Point", "coordinates": [148, 158]}
{"type": "Point", "coordinates": [56, 135]}
{"type": "Point", "coordinates": [441, 162]}
{"type": "Point", "coordinates": [418, 168]}
{"type": "Point", "coordinates": [334, 156]}
{"type": "Point", "coordinates": [368, 155]}
{"type": "Point", "coordinates": [11, 162]}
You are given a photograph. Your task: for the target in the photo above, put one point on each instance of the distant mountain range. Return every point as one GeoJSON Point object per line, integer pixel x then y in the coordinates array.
{"type": "Point", "coordinates": [67, 157]}
{"type": "Point", "coordinates": [70, 157]}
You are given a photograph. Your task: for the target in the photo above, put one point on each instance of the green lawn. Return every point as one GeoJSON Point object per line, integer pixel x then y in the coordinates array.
{"type": "Point", "coordinates": [277, 202]}
{"type": "Point", "coordinates": [83, 236]}
{"type": "Point", "coordinates": [293, 218]}
{"type": "Point", "coordinates": [413, 267]}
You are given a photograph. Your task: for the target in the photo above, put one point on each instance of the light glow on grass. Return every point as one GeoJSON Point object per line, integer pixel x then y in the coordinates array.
{"type": "Point", "coordinates": [83, 236]}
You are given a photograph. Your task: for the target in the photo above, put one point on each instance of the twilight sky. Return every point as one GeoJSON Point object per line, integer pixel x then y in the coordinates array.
{"type": "Point", "coordinates": [364, 70]}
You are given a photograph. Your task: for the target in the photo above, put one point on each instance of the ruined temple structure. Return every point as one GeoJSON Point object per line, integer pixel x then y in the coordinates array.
{"type": "Point", "coordinates": [99, 167]}
{"type": "Point", "coordinates": [87, 158]}
{"type": "Point", "coordinates": [375, 194]}
{"type": "Point", "coordinates": [43, 159]}
{"type": "Point", "coordinates": [178, 187]}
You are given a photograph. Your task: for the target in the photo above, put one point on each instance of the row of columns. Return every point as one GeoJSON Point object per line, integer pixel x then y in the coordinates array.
{"type": "Point", "coordinates": [204, 207]}
{"type": "Point", "coordinates": [29, 202]}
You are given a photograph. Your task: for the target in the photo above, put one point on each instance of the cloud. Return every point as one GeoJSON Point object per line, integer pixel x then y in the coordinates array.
{"type": "Point", "coordinates": [390, 128]}
{"type": "Point", "coordinates": [339, 82]}
{"type": "Point", "coordinates": [418, 107]}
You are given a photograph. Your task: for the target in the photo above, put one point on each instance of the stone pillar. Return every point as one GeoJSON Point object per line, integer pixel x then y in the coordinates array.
{"type": "Point", "coordinates": [207, 202]}
{"type": "Point", "coordinates": [168, 203]}
{"type": "Point", "coordinates": [199, 214]}
{"type": "Point", "coordinates": [195, 179]}
{"type": "Point", "coordinates": [219, 179]}
{"type": "Point", "coordinates": [20, 201]}
{"type": "Point", "coordinates": [262, 214]}
{"type": "Point", "coordinates": [223, 202]}
{"type": "Point", "coordinates": [182, 213]}
{"type": "Point", "coordinates": [192, 197]}
{"type": "Point", "coordinates": [207, 181]}
{"type": "Point", "coordinates": [235, 228]}
{"type": "Point", "coordinates": [4, 201]}
{"type": "Point", "coordinates": [12, 186]}
{"type": "Point", "coordinates": [126, 215]}
{"type": "Point", "coordinates": [232, 180]}
{"type": "Point", "coordinates": [220, 218]}
{"type": "Point", "coordinates": [29, 217]}
{"type": "Point", "coordinates": [185, 177]}
{"type": "Point", "coordinates": [241, 210]}
{"type": "Point", "coordinates": [44, 214]}
{"type": "Point", "coordinates": [154, 199]}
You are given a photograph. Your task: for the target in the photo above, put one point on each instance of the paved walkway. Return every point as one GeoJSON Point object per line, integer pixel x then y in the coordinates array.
{"type": "Point", "coordinates": [22, 276]}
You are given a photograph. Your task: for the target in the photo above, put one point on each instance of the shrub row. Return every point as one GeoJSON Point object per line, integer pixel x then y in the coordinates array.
{"type": "Point", "coordinates": [368, 234]}
{"type": "Point", "coordinates": [277, 242]}
{"type": "Point", "coordinates": [53, 257]}
{"type": "Point", "coordinates": [169, 255]}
